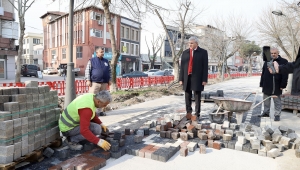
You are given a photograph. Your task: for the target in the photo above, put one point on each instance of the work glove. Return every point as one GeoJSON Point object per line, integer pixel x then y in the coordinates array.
{"type": "Point", "coordinates": [104, 128]}
{"type": "Point", "coordinates": [104, 144]}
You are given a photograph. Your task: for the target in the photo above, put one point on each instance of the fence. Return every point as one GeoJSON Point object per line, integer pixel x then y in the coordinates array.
{"type": "Point", "coordinates": [122, 83]}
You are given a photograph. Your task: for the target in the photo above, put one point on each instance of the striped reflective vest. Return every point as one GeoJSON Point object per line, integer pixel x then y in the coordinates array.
{"type": "Point", "coordinates": [70, 117]}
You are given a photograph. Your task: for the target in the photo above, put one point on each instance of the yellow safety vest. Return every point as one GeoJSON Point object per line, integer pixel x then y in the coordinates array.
{"type": "Point", "coordinates": [70, 117]}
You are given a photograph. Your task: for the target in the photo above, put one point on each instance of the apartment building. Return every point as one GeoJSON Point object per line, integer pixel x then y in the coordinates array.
{"type": "Point", "coordinates": [30, 40]}
{"type": "Point", "coordinates": [130, 45]}
{"type": "Point", "coordinates": [9, 33]}
{"type": "Point", "coordinates": [90, 32]}
{"type": "Point", "coordinates": [38, 55]}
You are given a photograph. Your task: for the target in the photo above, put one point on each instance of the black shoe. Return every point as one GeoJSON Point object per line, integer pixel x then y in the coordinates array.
{"type": "Point", "coordinates": [264, 115]}
{"type": "Point", "coordinates": [102, 114]}
{"type": "Point", "coordinates": [277, 118]}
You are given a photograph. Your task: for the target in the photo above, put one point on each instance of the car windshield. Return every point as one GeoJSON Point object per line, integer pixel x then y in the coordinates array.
{"type": "Point", "coordinates": [152, 70]}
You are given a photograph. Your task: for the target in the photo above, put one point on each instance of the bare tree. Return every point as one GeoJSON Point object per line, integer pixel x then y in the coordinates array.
{"type": "Point", "coordinates": [156, 45]}
{"type": "Point", "coordinates": [223, 44]}
{"type": "Point", "coordinates": [186, 15]}
{"type": "Point", "coordinates": [21, 6]}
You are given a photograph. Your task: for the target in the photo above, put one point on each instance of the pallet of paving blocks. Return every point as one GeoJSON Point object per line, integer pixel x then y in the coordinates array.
{"type": "Point", "coordinates": [291, 102]}
{"type": "Point", "coordinates": [28, 120]}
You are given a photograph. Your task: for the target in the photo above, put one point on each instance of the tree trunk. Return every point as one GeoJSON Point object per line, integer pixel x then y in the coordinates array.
{"type": "Point", "coordinates": [20, 51]}
{"type": "Point", "coordinates": [219, 66]}
{"type": "Point", "coordinates": [115, 52]}
{"type": "Point", "coordinates": [152, 63]}
{"type": "Point", "coordinates": [250, 67]}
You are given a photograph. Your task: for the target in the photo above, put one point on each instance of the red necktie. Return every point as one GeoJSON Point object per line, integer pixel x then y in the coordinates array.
{"type": "Point", "coordinates": [190, 62]}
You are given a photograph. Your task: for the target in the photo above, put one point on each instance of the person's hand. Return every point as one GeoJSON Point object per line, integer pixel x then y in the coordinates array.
{"type": "Point", "coordinates": [204, 83]}
{"type": "Point", "coordinates": [104, 144]}
{"type": "Point", "coordinates": [104, 127]}
{"type": "Point", "coordinates": [276, 66]}
{"type": "Point", "coordinates": [180, 82]}
{"type": "Point", "coordinates": [89, 83]}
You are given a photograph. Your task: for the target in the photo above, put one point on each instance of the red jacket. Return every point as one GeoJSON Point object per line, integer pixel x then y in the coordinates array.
{"type": "Point", "coordinates": [85, 119]}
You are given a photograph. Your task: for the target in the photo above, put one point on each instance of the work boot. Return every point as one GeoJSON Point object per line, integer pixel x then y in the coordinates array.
{"type": "Point", "coordinates": [277, 118]}
{"type": "Point", "coordinates": [102, 114]}
{"type": "Point", "coordinates": [73, 146]}
{"type": "Point", "coordinates": [264, 114]}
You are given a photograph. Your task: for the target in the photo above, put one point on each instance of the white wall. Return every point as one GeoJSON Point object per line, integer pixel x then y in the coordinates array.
{"type": "Point", "coordinates": [10, 67]}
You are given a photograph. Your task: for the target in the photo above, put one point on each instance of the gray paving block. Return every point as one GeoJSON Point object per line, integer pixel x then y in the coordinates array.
{"type": "Point", "coordinates": [262, 152]}
{"type": "Point", "coordinates": [6, 159]}
{"type": "Point", "coordinates": [6, 91]}
{"type": "Point", "coordinates": [23, 109]}
{"type": "Point", "coordinates": [273, 153]}
{"type": "Point", "coordinates": [6, 150]}
{"type": "Point", "coordinates": [255, 151]}
{"type": "Point", "coordinates": [17, 122]}
{"type": "Point", "coordinates": [24, 129]}
{"type": "Point", "coordinates": [21, 98]}
{"type": "Point", "coordinates": [17, 146]}
{"type": "Point", "coordinates": [31, 83]}
{"type": "Point", "coordinates": [12, 107]}
{"type": "Point", "coordinates": [48, 152]}
{"type": "Point", "coordinates": [6, 125]}
{"type": "Point", "coordinates": [35, 97]}
{"type": "Point", "coordinates": [25, 141]}
{"type": "Point", "coordinates": [4, 98]}
{"type": "Point", "coordinates": [5, 115]}
{"type": "Point", "coordinates": [24, 90]}
{"type": "Point", "coordinates": [192, 146]}
{"type": "Point", "coordinates": [6, 134]}
{"type": "Point", "coordinates": [24, 151]}
{"type": "Point", "coordinates": [30, 147]}
{"type": "Point", "coordinates": [17, 154]}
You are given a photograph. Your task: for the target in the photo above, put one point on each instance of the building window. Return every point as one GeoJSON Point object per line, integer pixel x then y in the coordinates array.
{"type": "Point", "coordinates": [136, 50]}
{"type": "Point", "coordinates": [78, 52]}
{"type": "Point", "coordinates": [98, 17]}
{"type": "Point", "coordinates": [53, 54]}
{"type": "Point", "coordinates": [96, 33]}
{"type": "Point", "coordinates": [36, 41]}
{"type": "Point", "coordinates": [27, 51]}
{"type": "Point", "coordinates": [132, 35]}
{"type": "Point", "coordinates": [35, 61]}
{"type": "Point", "coordinates": [137, 36]}
{"type": "Point", "coordinates": [28, 41]}
{"type": "Point", "coordinates": [63, 53]}
{"type": "Point", "coordinates": [122, 32]}
{"type": "Point", "coordinates": [24, 51]}
{"type": "Point", "coordinates": [132, 49]}
{"type": "Point", "coordinates": [122, 47]}
{"type": "Point", "coordinates": [127, 33]}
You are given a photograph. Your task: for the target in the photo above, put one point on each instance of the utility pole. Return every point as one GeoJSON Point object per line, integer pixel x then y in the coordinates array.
{"type": "Point", "coordinates": [70, 85]}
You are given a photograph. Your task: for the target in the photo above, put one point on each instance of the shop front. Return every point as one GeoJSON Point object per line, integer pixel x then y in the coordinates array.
{"type": "Point", "coordinates": [129, 64]}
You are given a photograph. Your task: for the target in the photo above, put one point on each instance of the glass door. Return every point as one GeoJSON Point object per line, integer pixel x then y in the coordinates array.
{"type": "Point", "coordinates": [2, 69]}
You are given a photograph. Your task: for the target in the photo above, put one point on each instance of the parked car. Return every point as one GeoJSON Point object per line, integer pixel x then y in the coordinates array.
{"type": "Point", "coordinates": [151, 71]}
{"type": "Point", "coordinates": [135, 74]}
{"type": "Point", "coordinates": [50, 70]}
{"type": "Point", "coordinates": [170, 70]}
{"type": "Point", "coordinates": [61, 67]}
{"type": "Point", "coordinates": [162, 73]}
{"type": "Point", "coordinates": [30, 70]}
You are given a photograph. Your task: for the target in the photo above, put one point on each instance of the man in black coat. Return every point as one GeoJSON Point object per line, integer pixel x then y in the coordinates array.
{"type": "Point", "coordinates": [292, 67]}
{"type": "Point", "coordinates": [273, 84]}
{"type": "Point", "coordinates": [193, 74]}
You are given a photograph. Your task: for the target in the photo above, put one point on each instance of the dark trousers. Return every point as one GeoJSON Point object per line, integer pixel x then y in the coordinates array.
{"type": "Point", "coordinates": [188, 99]}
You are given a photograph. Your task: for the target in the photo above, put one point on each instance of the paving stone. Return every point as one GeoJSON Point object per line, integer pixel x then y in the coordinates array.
{"type": "Point", "coordinates": [266, 142]}
{"type": "Point", "coordinates": [284, 141]}
{"type": "Point", "coordinates": [269, 130]}
{"type": "Point", "coordinates": [4, 98]}
{"type": "Point", "coordinates": [183, 152]}
{"type": "Point", "coordinates": [5, 115]}
{"type": "Point", "coordinates": [276, 138]}
{"type": "Point", "coordinates": [255, 151]}
{"type": "Point", "coordinates": [283, 129]}
{"type": "Point", "coordinates": [246, 147]}
{"type": "Point", "coordinates": [290, 131]}
{"type": "Point", "coordinates": [183, 136]}
{"type": "Point", "coordinates": [233, 126]}
{"type": "Point", "coordinates": [255, 144]}
{"type": "Point", "coordinates": [238, 146]}
{"type": "Point", "coordinates": [17, 154]}
{"type": "Point", "coordinates": [226, 124]}
{"type": "Point", "coordinates": [202, 136]}
{"type": "Point", "coordinates": [238, 133]}
{"type": "Point", "coordinates": [62, 152]}
{"type": "Point", "coordinates": [217, 145]}
{"type": "Point", "coordinates": [262, 152]}
{"type": "Point", "coordinates": [292, 136]}
{"type": "Point", "coordinates": [20, 98]}
{"type": "Point", "coordinates": [175, 135]}
{"type": "Point", "coordinates": [48, 152]}
{"type": "Point", "coordinates": [190, 135]}
{"type": "Point", "coordinates": [231, 144]}
{"type": "Point", "coordinates": [210, 143]}
{"type": "Point", "coordinates": [273, 153]}
{"type": "Point", "coordinates": [211, 135]}
{"type": "Point", "coordinates": [24, 151]}
{"type": "Point", "coordinates": [202, 149]}
{"type": "Point", "coordinates": [6, 150]}
{"type": "Point", "coordinates": [227, 137]}
{"type": "Point", "coordinates": [12, 107]}
{"type": "Point", "coordinates": [31, 83]}
{"type": "Point", "coordinates": [192, 146]}
{"type": "Point", "coordinates": [168, 134]}
{"type": "Point", "coordinates": [241, 140]}
{"type": "Point", "coordinates": [6, 159]}
{"type": "Point", "coordinates": [138, 139]}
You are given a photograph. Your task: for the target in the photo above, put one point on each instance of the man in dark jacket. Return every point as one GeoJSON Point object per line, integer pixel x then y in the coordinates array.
{"type": "Point", "coordinates": [98, 75]}
{"type": "Point", "coordinates": [292, 67]}
{"type": "Point", "coordinates": [193, 74]}
{"type": "Point", "coordinates": [273, 84]}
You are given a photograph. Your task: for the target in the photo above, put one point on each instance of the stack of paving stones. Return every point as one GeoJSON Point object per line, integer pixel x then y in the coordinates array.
{"type": "Point", "coordinates": [290, 102]}
{"type": "Point", "coordinates": [28, 119]}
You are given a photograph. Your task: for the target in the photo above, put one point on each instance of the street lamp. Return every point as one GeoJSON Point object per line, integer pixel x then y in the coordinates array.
{"type": "Point", "coordinates": [279, 13]}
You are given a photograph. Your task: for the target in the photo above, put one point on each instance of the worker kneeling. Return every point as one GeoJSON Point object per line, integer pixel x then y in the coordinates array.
{"type": "Point", "coordinates": [78, 120]}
